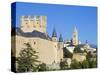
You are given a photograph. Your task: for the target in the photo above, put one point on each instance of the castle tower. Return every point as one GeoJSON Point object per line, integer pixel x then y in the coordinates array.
{"type": "Point", "coordinates": [60, 38]}
{"type": "Point", "coordinates": [54, 35]}
{"type": "Point", "coordinates": [60, 42]}
{"type": "Point", "coordinates": [60, 48]}
{"type": "Point", "coordinates": [31, 23]}
{"type": "Point", "coordinates": [75, 37]}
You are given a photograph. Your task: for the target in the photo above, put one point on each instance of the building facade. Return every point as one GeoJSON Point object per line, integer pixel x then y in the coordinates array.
{"type": "Point", "coordinates": [33, 30]}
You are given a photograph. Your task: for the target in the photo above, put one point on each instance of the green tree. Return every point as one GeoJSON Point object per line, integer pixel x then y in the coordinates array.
{"type": "Point", "coordinates": [75, 64]}
{"type": "Point", "coordinates": [92, 63]}
{"type": "Point", "coordinates": [63, 65]}
{"type": "Point", "coordinates": [85, 64]}
{"type": "Point", "coordinates": [27, 60]}
{"type": "Point", "coordinates": [92, 60]}
{"type": "Point", "coordinates": [42, 67]}
{"type": "Point", "coordinates": [77, 49]}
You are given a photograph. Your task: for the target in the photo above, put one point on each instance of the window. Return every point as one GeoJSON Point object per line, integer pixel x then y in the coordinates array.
{"type": "Point", "coordinates": [26, 23]}
{"type": "Point", "coordinates": [74, 35]}
{"type": "Point", "coordinates": [55, 46]}
{"type": "Point", "coordinates": [34, 43]}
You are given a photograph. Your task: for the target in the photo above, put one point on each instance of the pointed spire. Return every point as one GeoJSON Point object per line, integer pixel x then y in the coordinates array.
{"type": "Point", "coordinates": [75, 29]}
{"type": "Point", "coordinates": [54, 34]}
{"type": "Point", "coordinates": [60, 38]}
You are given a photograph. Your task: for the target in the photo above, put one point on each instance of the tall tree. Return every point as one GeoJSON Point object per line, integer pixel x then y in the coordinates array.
{"type": "Point", "coordinates": [77, 49]}
{"type": "Point", "coordinates": [27, 60]}
{"type": "Point", "coordinates": [75, 64]}
{"type": "Point", "coordinates": [63, 65]}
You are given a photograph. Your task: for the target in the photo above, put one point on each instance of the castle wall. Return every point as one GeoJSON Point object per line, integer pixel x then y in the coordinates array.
{"type": "Point", "coordinates": [49, 52]}
{"type": "Point", "coordinates": [60, 51]}
{"type": "Point", "coordinates": [47, 49]}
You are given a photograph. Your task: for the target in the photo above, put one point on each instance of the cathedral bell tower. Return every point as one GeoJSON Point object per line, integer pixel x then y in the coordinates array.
{"type": "Point", "coordinates": [75, 37]}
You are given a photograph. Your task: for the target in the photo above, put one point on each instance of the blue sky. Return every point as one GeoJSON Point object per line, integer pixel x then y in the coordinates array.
{"type": "Point", "coordinates": [64, 18]}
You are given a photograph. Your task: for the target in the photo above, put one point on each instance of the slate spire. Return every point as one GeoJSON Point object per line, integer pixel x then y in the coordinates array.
{"type": "Point", "coordinates": [60, 38]}
{"type": "Point", "coordinates": [54, 34]}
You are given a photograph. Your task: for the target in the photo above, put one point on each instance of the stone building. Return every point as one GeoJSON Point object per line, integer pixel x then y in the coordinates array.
{"type": "Point", "coordinates": [33, 30]}
{"type": "Point", "coordinates": [75, 40]}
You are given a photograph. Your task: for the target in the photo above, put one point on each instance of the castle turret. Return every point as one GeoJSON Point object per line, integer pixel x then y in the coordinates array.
{"type": "Point", "coordinates": [75, 37]}
{"type": "Point", "coordinates": [31, 23]}
{"type": "Point", "coordinates": [54, 35]}
{"type": "Point", "coordinates": [60, 42]}
{"type": "Point", "coordinates": [60, 48]}
{"type": "Point", "coordinates": [60, 38]}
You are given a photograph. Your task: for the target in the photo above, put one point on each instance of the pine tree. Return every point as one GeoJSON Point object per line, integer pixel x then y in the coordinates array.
{"type": "Point", "coordinates": [27, 60]}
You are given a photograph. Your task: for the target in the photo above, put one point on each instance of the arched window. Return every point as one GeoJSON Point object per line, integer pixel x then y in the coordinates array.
{"type": "Point", "coordinates": [34, 43]}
